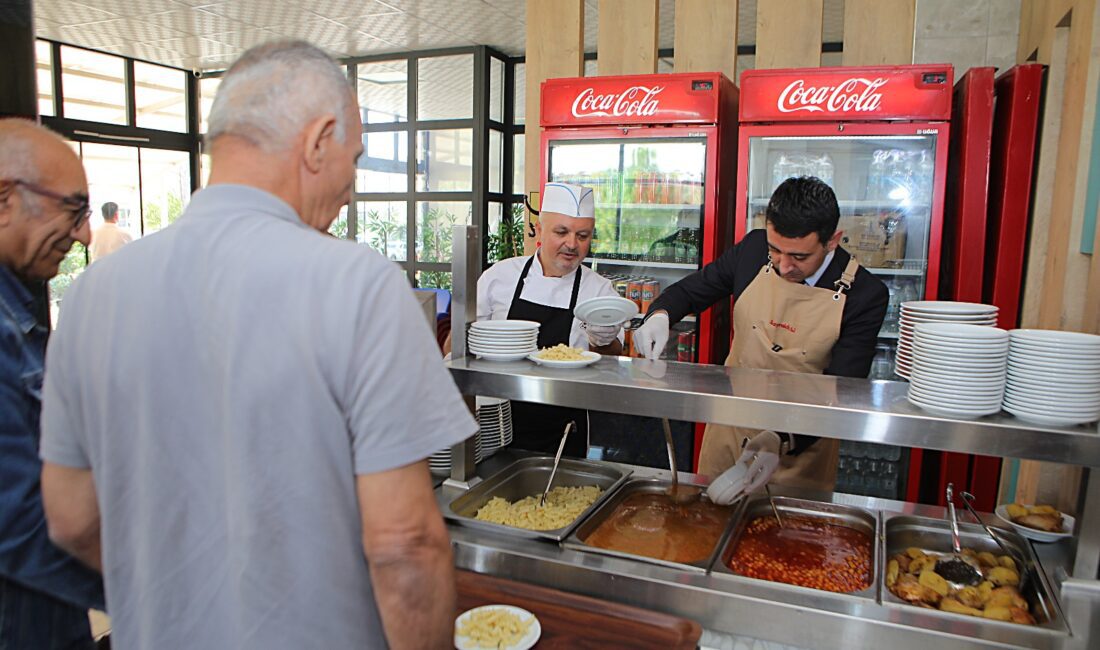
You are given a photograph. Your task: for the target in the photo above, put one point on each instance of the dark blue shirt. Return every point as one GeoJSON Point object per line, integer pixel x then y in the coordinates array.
{"type": "Point", "coordinates": [26, 554]}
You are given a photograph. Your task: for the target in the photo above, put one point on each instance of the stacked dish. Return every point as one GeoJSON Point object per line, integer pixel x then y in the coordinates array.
{"type": "Point", "coordinates": [440, 461]}
{"type": "Point", "coordinates": [494, 419]}
{"type": "Point", "coordinates": [503, 340]}
{"type": "Point", "coordinates": [958, 369]}
{"type": "Point", "coordinates": [1053, 377]}
{"type": "Point", "coordinates": [915, 312]}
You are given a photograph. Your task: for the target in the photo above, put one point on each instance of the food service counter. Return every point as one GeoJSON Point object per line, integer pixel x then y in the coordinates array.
{"type": "Point", "coordinates": [871, 411]}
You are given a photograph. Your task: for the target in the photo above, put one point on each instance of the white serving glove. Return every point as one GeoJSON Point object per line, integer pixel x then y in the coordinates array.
{"type": "Point", "coordinates": [759, 460]}
{"type": "Point", "coordinates": [651, 337]}
{"type": "Point", "coordinates": [601, 335]}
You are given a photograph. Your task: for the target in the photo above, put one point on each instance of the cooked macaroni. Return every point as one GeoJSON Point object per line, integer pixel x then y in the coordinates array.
{"type": "Point", "coordinates": [494, 628]}
{"type": "Point", "coordinates": [561, 352]}
{"type": "Point", "coordinates": [563, 505]}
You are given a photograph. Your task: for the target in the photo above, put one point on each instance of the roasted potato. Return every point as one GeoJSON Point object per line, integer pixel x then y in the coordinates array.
{"type": "Point", "coordinates": [987, 559]}
{"type": "Point", "coordinates": [892, 571]}
{"type": "Point", "coordinates": [1043, 510]}
{"type": "Point", "coordinates": [908, 588]}
{"type": "Point", "coordinates": [1021, 615]}
{"type": "Point", "coordinates": [934, 581]}
{"type": "Point", "coordinates": [952, 605]}
{"type": "Point", "coordinates": [903, 561]}
{"type": "Point", "coordinates": [1016, 510]}
{"type": "Point", "coordinates": [1041, 521]}
{"type": "Point", "coordinates": [1007, 562]}
{"type": "Point", "coordinates": [970, 596]}
{"type": "Point", "coordinates": [1001, 576]}
{"type": "Point", "coordinates": [1006, 597]}
{"type": "Point", "coordinates": [997, 613]}
{"type": "Point", "coordinates": [914, 552]}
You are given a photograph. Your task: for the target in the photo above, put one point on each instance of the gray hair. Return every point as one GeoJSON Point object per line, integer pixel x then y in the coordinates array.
{"type": "Point", "coordinates": [269, 94]}
{"type": "Point", "coordinates": [18, 149]}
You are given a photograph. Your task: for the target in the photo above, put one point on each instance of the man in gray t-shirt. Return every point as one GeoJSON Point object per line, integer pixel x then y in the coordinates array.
{"type": "Point", "coordinates": [237, 409]}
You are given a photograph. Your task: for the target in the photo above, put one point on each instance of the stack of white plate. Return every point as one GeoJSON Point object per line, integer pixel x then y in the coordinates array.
{"type": "Point", "coordinates": [914, 312]}
{"type": "Point", "coordinates": [503, 340]}
{"type": "Point", "coordinates": [958, 369]}
{"type": "Point", "coordinates": [494, 419]}
{"type": "Point", "coordinates": [440, 461]}
{"type": "Point", "coordinates": [1053, 377]}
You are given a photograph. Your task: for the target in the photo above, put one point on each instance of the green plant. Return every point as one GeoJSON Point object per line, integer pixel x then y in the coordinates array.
{"type": "Point", "coordinates": [507, 241]}
{"type": "Point", "coordinates": [71, 266]}
{"type": "Point", "coordinates": [382, 233]}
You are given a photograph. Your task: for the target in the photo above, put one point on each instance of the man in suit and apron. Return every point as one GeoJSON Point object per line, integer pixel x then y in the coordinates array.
{"type": "Point", "coordinates": [802, 304]}
{"type": "Point", "coordinates": [545, 288]}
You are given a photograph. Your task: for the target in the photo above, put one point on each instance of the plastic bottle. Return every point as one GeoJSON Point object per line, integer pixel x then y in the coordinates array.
{"type": "Point", "coordinates": [926, 175]}
{"type": "Point", "coordinates": [875, 175]}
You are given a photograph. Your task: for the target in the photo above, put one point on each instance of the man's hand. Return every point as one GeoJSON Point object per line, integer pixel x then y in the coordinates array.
{"type": "Point", "coordinates": [651, 337]}
{"type": "Point", "coordinates": [601, 335]}
{"type": "Point", "coordinates": [758, 462]}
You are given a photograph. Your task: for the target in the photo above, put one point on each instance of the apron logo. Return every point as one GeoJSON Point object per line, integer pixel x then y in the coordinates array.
{"type": "Point", "coordinates": [777, 348]}
{"type": "Point", "coordinates": [783, 326]}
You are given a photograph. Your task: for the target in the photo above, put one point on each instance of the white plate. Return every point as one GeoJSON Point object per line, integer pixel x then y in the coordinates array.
{"type": "Point", "coordinates": [1053, 365]}
{"type": "Point", "coordinates": [490, 356]}
{"type": "Point", "coordinates": [1054, 398]}
{"type": "Point", "coordinates": [948, 384]}
{"type": "Point", "coordinates": [963, 331]}
{"type": "Point", "coordinates": [1080, 412]}
{"type": "Point", "coordinates": [1035, 534]}
{"type": "Point", "coordinates": [506, 325]}
{"type": "Point", "coordinates": [1078, 339]}
{"type": "Point", "coordinates": [1054, 385]}
{"type": "Point", "coordinates": [937, 409]}
{"type": "Point", "coordinates": [498, 336]}
{"type": "Point", "coordinates": [955, 399]}
{"type": "Point", "coordinates": [1049, 420]}
{"type": "Point", "coordinates": [527, 641]}
{"type": "Point", "coordinates": [503, 348]}
{"type": "Point", "coordinates": [589, 358]}
{"type": "Point", "coordinates": [606, 310]}
{"type": "Point", "coordinates": [962, 365]}
{"type": "Point", "coordinates": [1057, 349]}
{"type": "Point", "coordinates": [948, 307]}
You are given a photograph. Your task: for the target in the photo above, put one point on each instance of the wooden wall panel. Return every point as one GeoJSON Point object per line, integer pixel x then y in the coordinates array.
{"type": "Point", "coordinates": [706, 36]}
{"type": "Point", "coordinates": [788, 34]}
{"type": "Point", "coordinates": [555, 48]}
{"type": "Point", "coordinates": [626, 41]}
{"type": "Point", "coordinates": [878, 32]}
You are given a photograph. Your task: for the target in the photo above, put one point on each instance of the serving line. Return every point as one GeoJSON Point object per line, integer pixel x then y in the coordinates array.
{"type": "Point", "coordinates": [836, 407]}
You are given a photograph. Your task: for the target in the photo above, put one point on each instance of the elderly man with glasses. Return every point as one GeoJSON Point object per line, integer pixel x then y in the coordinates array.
{"type": "Point", "coordinates": [44, 592]}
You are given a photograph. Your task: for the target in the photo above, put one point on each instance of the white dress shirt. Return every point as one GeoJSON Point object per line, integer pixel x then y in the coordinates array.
{"type": "Point", "coordinates": [497, 285]}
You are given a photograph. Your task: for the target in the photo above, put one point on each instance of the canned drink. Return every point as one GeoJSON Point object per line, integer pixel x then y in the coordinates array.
{"type": "Point", "coordinates": [621, 287]}
{"type": "Point", "coordinates": [650, 290]}
{"type": "Point", "coordinates": [685, 344]}
{"type": "Point", "coordinates": [634, 291]}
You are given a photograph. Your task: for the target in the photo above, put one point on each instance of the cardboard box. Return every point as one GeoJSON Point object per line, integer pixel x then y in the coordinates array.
{"type": "Point", "coordinates": [876, 240]}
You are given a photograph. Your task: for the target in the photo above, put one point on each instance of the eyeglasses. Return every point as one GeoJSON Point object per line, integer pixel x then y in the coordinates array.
{"type": "Point", "coordinates": [76, 204]}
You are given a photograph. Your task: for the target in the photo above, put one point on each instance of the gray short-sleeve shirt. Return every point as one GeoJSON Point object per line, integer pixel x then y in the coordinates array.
{"type": "Point", "coordinates": [226, 379]}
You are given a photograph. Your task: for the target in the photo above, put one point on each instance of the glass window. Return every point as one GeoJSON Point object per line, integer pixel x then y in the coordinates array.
{"type": "Point", "coordinates": [44, 70]}
{"type": "Point", "coordinates": [93, 86]}
{"type": "Point", "coordinates": [339, 226]}
{"type": "Point", "coordinates": [520, 98]}
{"type": "Point", "coordinates": [160, 95]}
{"type": "Point", "coordinates": [445, 87]}
{"type": "Point", "coordinates": [383, 91]}
{"type": "Point", "coordinates": [518, 163]}
{"type": "Point", "coordinates": [496, 89]}
{"type": "Point", "coordinates": [591, 68]}
{"type": "Point", "coordinates": [496, 158]}
{"type": "Point", "coordinates": [434, 280]}
{"type": "Point", "coordinates": [382, 226]}
{"type": "Point", "coordinates": [444, 160]}
{"type": "Point", "coordinates": [208, 86]}
{"type": "Point", "coordinates": [435, 221]}
{"type": "Point", "coordinates": [383, 167]}
{"type": "Point", "coordinates": [165, 187]}
{"type": "Point", "coordinates": [113, 176]}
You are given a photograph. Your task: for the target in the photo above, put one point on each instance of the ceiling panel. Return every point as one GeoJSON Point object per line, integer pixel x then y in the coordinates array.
{"type": "Point", "coordinates": [209, 34]}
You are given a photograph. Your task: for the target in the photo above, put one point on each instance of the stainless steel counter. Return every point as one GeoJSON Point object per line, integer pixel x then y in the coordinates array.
{"type": "Point", "coordinates": [835, 407]}
{"type": "Point", "coordinates": [740, 606]}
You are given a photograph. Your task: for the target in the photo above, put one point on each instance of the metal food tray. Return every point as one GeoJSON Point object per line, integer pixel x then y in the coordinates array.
{"type": "Point", "coordinates": [850, 516]}
{"type": "Point", "coordinates": [527, 477]}
{"type": "Point", "coordinates": [577, 542]}
{"type": "Point", "coordinates": [934, 535]}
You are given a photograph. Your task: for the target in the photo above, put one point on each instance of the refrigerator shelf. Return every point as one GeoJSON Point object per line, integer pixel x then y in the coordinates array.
{"type": "Point", "coordinates": [891, 271]}
{"type": "Point", "coordinates": [651, 206]}
{"type": "Point", "coordinates": [640, 263]}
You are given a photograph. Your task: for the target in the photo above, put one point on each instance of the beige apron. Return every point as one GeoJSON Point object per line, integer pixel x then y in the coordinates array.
{"type": "Point", "coordinates": [781, 325]}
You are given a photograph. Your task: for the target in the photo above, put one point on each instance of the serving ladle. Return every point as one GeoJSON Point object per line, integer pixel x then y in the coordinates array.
{"type": "Point", "coordinates": [957, 569]}
{"type": "Point", "coordinates": [557, 459]}
{"type": "Point", "coordinates": [1022, 567]}
{"type": "Point", "coordinates": [676, 494]}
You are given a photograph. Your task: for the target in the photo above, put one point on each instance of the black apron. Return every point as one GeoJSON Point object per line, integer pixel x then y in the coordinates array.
{"type": "Point", "coordinates": [538, 427]}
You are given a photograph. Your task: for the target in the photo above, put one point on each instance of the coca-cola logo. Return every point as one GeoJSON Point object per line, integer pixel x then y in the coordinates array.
{"type": "Point", "coordinates": [634, 101]}
{"type": "Point", "coordinates": [855, 94]}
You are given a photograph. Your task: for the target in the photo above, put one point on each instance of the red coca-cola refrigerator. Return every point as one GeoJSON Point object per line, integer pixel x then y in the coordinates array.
{"type": "Point", "coordinates": [659, 152]}
{"type": "Point", "coordinates": [879, 136]}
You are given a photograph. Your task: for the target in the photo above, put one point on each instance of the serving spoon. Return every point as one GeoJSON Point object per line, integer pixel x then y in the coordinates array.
{"type": "Point", "coordinates": [557, 459]}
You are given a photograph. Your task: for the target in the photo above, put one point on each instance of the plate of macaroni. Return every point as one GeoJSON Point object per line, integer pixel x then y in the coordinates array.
{"type": "Point", "coordinates": [500, 627]}
{"type": "Point", "coordinates": [563, 356]}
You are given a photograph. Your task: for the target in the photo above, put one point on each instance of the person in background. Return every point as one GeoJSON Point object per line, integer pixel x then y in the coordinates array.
{"type": "Point", "coordinates": [802, 304]}
{"type": "Point", "coordinates": [545, 288]}
{"type": "Point", "coordinates": [263, 485]}
{"type": "Point", "coordinates": [108, 238]}
{"type": "Point", "coordinates": [45, 593]}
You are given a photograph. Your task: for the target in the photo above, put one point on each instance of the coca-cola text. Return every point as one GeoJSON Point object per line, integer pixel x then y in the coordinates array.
{"type": "Point", "coordinates": [855, 94]}
{"type": "Point", "coordinates": [634, 101]}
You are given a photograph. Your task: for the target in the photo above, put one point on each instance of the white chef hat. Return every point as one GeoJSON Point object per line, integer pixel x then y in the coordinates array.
{"type": "Point", "coordinates": [569, 200]}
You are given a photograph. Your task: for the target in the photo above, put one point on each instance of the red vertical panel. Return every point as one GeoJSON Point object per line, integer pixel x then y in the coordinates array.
{"type": "Point", "coordinates": [965, 218]}
{"type": "Point", "coordinates": [1012, 164]}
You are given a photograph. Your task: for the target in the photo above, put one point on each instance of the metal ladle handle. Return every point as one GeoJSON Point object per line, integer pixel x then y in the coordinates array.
{"type": "Point", "coordinates": [557, 459]}
{"type": "Point", "coordinates": [956, 543]}
{"type": "Point", "coordinates": [1024, 566]}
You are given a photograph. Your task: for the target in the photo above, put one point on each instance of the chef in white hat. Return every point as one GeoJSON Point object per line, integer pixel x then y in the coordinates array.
{"type": "Point", "coordinates": [546, 287]}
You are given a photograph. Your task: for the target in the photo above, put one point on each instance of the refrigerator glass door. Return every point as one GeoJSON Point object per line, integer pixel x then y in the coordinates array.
{"type": "Point", "coordinates": [649, 214]}
{"type": "Point", "coordinates": [884, 186]}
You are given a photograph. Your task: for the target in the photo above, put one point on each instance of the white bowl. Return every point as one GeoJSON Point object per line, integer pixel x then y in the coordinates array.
{"type": "Point", "coordinates": [1060, 349]}
{"type": "Point", "coordinates": [1090, 341]}
{"type": "Point", "coordinates": [962, 330]}
{"type": "Point", "coordinates": [954, 383]}
{"type": "Point", "coordinates": [1033, 533]}
{"type": "Point", "coordinates": [948, 411]}
{"type": "Point", "coordinates": [941, 395]}
{"type": "Point", "coordinates": [1047, 409]}
{"type": "Point", "coordinates": [506, 324]}
{"type": "Point", "coordinates": [1053, 385]}
{"type": "Point", "coordinates": [948, 307]}
{"type": "Point", "coordinates": [1054, 403]}
{"type": "Point", "coordinates": [1046, 419]}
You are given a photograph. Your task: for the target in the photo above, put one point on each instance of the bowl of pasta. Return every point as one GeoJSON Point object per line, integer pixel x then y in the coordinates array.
{"type": "Point", "coordinates": [502, 627]}
{"type": "Point", "coordinates": [563, 356]}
